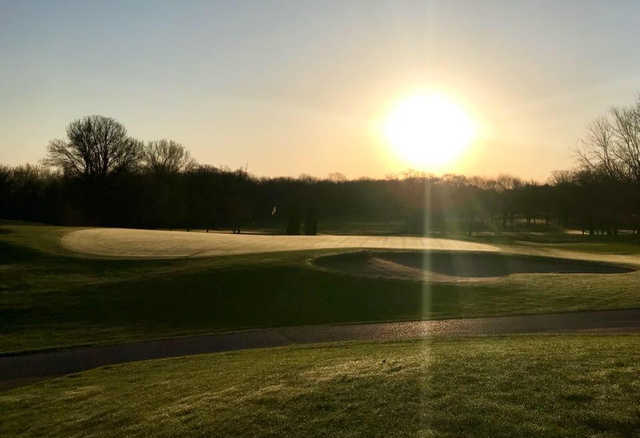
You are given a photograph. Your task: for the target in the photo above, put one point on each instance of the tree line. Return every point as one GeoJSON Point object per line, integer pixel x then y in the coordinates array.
{"type": "Point", "coordinates": [100, 176]}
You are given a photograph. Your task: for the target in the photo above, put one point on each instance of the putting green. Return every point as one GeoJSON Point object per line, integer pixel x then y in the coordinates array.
{"type": "Point", "coordinates": [116, 242]}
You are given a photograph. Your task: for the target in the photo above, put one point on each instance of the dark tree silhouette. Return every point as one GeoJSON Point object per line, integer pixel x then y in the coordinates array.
{"type": "Point", "coordinates": [613, 144]}
{"type": "Point", "coordinates": [293, 222]}
{"type": "Point", "coordinates": [96, 146]}
{"type": "Point", "coordinates": [311, 222]}
{"type": "Point", "coordinates": [110, 179]}
{"type": "Point", "coordinates": [167, 156]}
{"type": "Point", "coordinates": [207, 197]}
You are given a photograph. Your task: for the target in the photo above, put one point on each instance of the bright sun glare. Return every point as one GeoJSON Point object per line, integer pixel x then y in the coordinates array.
{"type": "Point", "coordinates": [429, 130]}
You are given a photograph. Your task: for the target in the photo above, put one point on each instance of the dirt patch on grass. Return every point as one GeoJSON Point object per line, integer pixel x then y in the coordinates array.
{"type": "Point", "coordinates": [458, 265]}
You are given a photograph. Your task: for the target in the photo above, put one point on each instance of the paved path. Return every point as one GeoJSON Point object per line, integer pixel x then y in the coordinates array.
{"type": "Point", "coordinates": [21, 367]}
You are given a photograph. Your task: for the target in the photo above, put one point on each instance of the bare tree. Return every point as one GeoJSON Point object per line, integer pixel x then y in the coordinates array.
{"type": "Point", "coordinates": [613, 144]}
{"type": "Point", "coordinates": [337, 177]}
{"type": "Point", "coordinates": [167, 156]}
{"type": "Point", "coordinates": [96, 146]}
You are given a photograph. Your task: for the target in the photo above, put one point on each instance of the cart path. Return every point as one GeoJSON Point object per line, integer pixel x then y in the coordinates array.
{"type": "Point", "coordinates": [21, 367]}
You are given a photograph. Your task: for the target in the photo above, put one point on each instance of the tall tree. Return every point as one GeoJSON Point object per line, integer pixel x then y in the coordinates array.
{"type": "Point", "coordinates": [96, 146]}
{"type": "Point", "coordinates": [167, 156]}
{"type": "Point", "coordinates": [613, 144]}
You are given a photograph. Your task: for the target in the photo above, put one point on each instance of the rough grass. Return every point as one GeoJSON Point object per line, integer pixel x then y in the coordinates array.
{"type": "Point", "coordinates": [525, 386]}
{"type": "Point", "coordinates": [50, 298]}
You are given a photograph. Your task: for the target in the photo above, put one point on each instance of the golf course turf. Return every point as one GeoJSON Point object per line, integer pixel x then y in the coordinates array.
{"type": "Point", "coordinates": [116, 242]}
{"type": "Point", "coordinates": [525, 386]}
{"type": "Point", "coordinates": [447, 265]}
{"type": "Point", "coordinates": [51, 297]}
{"type": "Point", "coordinates": [498, 386]}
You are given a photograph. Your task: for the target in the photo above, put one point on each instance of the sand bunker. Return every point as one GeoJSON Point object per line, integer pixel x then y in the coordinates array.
{"type": "Point", "coordinates": [457, 266]}
{"type": "Point", "coordinates": [116, 242]}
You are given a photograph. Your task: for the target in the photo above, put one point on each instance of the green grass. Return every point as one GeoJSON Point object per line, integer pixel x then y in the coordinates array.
{"type": "Point", "coordinates": [391, 227]}
{"type": "Point", "coordinates": [521, 386]}
{"type": "Point", "coordinates": [526, 386]}
{"type": "Point", "coordinates": [51, 298]}
{"type": "Point", "coordinates": [622, 244]}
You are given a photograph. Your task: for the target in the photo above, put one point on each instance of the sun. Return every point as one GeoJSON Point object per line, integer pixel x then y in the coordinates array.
{"type": "Point", "coordinates": [429, 130]}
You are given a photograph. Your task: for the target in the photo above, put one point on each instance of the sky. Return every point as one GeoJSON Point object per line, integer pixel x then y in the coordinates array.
{"type": "Point", "coordinates": [303, 87]}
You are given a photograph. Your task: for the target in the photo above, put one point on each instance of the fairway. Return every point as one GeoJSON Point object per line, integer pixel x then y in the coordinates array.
{"type": "Point", "coordinates": [117, 242]}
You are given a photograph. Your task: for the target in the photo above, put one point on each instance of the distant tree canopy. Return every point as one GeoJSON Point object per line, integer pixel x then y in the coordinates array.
{"type": "Point", "coordinates": [107, 178]}
{"type": "Point", "coordinates": [166, 156]}
{"type": "Point", "coordinates": [95, 146]}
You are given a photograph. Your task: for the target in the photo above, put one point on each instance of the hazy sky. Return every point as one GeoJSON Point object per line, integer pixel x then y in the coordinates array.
{"type": "Point", "coordinates": [301, 87]}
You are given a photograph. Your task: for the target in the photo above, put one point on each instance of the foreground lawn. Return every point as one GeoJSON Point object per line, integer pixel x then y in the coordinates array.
{"type": "Point", "coordinates": [52, 298]}
{"type": "Point", "coordinates": [521, 386]}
